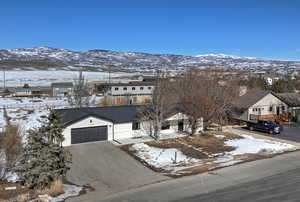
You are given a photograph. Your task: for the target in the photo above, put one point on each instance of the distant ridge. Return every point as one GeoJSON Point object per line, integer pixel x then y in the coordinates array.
{"type": "Point", "coordinates": [47, 58]}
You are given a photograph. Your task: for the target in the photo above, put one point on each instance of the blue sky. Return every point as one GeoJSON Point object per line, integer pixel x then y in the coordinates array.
{"type": "Point", "coordinates": [258, 28]}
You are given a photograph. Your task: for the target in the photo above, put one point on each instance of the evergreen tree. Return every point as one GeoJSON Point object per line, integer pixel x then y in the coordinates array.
{"type": "Point", "coordinates": [44, 159]}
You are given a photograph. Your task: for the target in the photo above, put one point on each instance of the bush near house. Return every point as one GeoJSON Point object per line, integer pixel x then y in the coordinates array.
{"type": "Point", "coordinates": [44, 161]}
{"type": "Point", "coordinates": [11, 143]}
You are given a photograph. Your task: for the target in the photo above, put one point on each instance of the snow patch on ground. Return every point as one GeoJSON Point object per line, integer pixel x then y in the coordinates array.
{"type": "Point", "coordinates": [2, 120]}
{"type": "Point", "coordinates": [45, 78]}
{"type": "Point", "coordinates": [163, 158]}
{"type": "Point", "coordinates": [226, 160]}
{"type": "Point", "coordinates": [70, 191]}
{"type": "Point", "coordinates": [11, 177]}
{"type": "Point", "coordinates": [27, 121]}
{"type": "Point", "coordinates": [220, 136]}
{"type": "Point", "coordinates": [27, 112]}
{"type": "Point", "coordinates": [251, 145]}
{"type": "Point", "coordinates": [30, 103]}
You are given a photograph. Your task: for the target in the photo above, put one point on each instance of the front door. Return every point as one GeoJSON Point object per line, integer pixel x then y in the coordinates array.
{"type": "Point", "coordinates": [180, 125]}
{"type": "Point", "coordinates": [277, 110]}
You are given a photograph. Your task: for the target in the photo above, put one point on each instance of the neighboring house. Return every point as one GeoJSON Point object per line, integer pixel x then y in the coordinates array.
{"type": "Point", "coordinates": [128, 93]}
{"type": "Point", "coordinates": [258, 104]}
{"type": "Point", "coordinates": [92, 124]}
{"type": "Point", "coordinates": [269, 81]}
{"type": "Point", "coordinates": [62, 89]}
{"type": "Point", "coordinates": [134, 88]}
{"type": "Point", "coordinates": [293, 101]}
{"type": "Point", "coordinates": [30, 91]}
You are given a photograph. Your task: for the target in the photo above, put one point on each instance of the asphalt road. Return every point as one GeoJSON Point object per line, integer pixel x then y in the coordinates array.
{"type": "Point", "coordinates": [277, 188]}
{"type": "Point", "coordinates": [291, 133]}
{"type": "Point", "coordinates": [270, 180]}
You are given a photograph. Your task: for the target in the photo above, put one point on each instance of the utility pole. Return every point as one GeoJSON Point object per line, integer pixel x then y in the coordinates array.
{"type": "Point", "coordinates": [109, 69]}
{"type": "Point", "coordinates": [4, 79]}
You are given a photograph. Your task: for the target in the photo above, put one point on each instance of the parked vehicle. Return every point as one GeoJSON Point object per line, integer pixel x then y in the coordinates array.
{"type": "Point", "coordinates": [265, 126]}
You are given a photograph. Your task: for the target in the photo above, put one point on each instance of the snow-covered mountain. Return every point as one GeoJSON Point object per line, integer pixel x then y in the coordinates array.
{"type": "Point", "coordinates": [46, 58]}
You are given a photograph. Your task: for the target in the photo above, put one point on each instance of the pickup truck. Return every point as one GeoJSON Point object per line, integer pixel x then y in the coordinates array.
{"type": "Point", "coordinates": [264, 126]}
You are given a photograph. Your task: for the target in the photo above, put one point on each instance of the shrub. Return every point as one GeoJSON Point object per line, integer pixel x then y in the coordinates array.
{"type": "Point", "coordinates": [11, 142]}
{"type": "Point", "coordinates": [54, 189]}
{"type": "Point", "coordinates": [44, 159]}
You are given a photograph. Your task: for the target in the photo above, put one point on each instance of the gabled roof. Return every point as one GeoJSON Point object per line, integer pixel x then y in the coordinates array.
{"type": "Point", "coordinates": [291, 99]}
{"type": "Point", "coordinates": [250, 98]}
{"type": "Point", "coordinates": [115, 114]}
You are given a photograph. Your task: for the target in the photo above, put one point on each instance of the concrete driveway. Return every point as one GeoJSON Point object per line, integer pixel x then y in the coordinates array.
{"type": "Point", "coordinates": [108, 169]}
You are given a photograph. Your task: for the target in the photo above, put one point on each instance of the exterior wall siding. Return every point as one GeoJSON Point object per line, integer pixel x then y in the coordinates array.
{"type": "Point", "coordinates": [123, 130]}
{"type": "Point", "coordinates": [264, 105]}
{"type": "Point", "coordinates": [61, 91]}
{"type": "Point", "coordinates": [131, 90]}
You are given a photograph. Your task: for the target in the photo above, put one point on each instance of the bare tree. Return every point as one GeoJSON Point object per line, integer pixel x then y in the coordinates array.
{"type": "Point", "coordinates": [11, 148]}
{"type": "Point", "coordinates": [80, 95]}
{"type": "Point", "coordinates": [153, 114]}
{"type": "Point", "coordinates": [204, 98]}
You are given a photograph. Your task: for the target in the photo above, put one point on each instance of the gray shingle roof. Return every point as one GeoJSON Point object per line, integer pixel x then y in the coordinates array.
{"type": "Point", "coordinates": [291, 99]}
{"type": "Point", "coordinates": [250, 98]}
{"type": "Point", "coordinates": [116, 114]}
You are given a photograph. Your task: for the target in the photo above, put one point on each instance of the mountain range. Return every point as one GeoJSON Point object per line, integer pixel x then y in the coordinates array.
{"type": "Point", "coordinates": [46, 58]}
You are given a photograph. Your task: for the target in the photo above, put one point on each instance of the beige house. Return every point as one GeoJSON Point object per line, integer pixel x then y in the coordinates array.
{"type": "Point", "coordinates": [260, 104]}
{"type": "Point", "coordinates": [293, 101]}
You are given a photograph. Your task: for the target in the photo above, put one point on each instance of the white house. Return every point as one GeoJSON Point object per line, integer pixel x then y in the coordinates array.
{"type": "Point", "coordinates": [129, 93]}
{"type": "Point", "coordinates": [92, 124]}
{"type": "Point", "coordinates": [61, 89]}
{"type": "Point", "coordinates": [269, 81]}
{"type": "Point", "coordinates": [30, 91]}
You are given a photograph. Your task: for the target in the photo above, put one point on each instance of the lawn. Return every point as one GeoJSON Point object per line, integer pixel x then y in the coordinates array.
{"type": "Point", "coordinates": [195, 154]}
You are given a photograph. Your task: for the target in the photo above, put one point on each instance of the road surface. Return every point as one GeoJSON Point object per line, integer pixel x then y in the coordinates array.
{"type": "Point", "coordinates": [272, 180]}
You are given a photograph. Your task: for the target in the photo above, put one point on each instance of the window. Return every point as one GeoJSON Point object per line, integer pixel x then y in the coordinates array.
{"type": "Point", "coordinates": [125, 88]}
{"type": "Point", "coordinates": [141, 88]}
{"type": "Point", "coordinates": [271, 109]}
{"type": "Point", "coordinates": [283, 108]}
{"type": "Point", "coordinates": [165, 125]}
{"type": "Point", "coordinates": [136, 125]}
{"type": "Point", "coordinates": [133, 88]}
{"type": "Point", "coordinates": [149, 87]}
{"type": "Point", "coordinates": [91, 121]}
{"type": "Point", "coordinates": [116, 89]}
